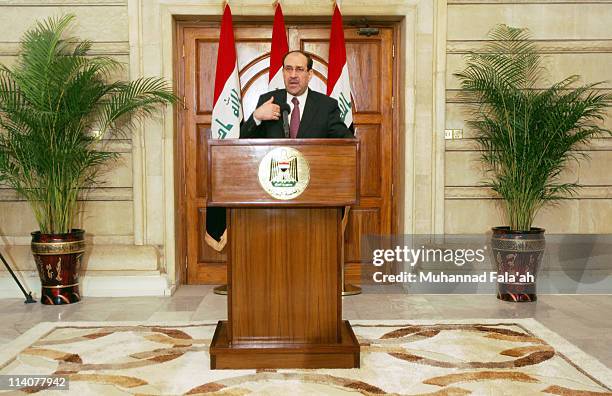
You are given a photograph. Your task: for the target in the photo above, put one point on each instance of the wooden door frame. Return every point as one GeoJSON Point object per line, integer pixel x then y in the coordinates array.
{"type": "Point", "coordinates": [398, 136]}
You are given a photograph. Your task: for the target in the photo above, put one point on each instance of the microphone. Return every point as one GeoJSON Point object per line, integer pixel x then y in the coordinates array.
{"type": "Point", "coordinates": [285, 109]}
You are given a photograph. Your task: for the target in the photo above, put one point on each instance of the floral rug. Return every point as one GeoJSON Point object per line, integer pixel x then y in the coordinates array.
{"type": "Point", "coordinates": [461, 357]}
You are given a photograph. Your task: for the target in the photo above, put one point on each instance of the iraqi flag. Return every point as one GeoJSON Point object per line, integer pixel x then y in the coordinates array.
{"type": "Point", "coordinates": [338, 83]}
{"type": "Point", "coordinates": [279, 48]}
{"type": "Point", "coordinates": [227, 106]}
{"type": "Point", "coordinates": [226, 118]}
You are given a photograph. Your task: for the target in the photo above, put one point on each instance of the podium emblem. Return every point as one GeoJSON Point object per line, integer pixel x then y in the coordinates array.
{"type": "Point", "coordinates": [284, 173]}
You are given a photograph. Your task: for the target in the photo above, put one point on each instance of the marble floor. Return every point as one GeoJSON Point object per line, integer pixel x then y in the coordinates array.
{"type": "Point", "coordinates": [584, 320]}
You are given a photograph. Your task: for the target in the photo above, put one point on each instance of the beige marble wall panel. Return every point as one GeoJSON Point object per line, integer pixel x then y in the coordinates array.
{"type": "Point", "coordinates": [96, 23]}
{"type": "Point", "coordinates": [422, 210]}
{"type": "Point", "coordinates": [109, 213]}
{"type": "Point", "coordinates": [119, 144]}
{"type": "Point", "coordinates": [51, 3]}
{"type": "Point", "coordinates": [424, 164]}
{"type": "Point", "coordinates": [99, 218]}
{"type": "Point", "coordinates": [98, 257]}
{"type": "Point", "coordinates": [479, 215]}
{"type": "Point", "coordinates": [563, 217]}
{"type": "Point", "coordinates": [560, 46]}
{"type": "Point", "coordinates": [593, 67]}
{"type": "Point", "coordinates": [596, 216]}
{"type": "Point", "coordinates": [8, 60]}
{"type": "Point", "coordinates": [118, 173]}
{"type": "Point", "coordinates": [17, 219]}
{"type": "Point", "coordinates": [108, 48]}
{"type": "Point", "coordinates": [594, 171]}
{"type": "Point", "coordinates": [588, 216]}
{"type": "Point", "coordinates": [117, 74]}
{"type": "Point", "coordinates": [580, 20]}
{"type": "Point", "coordinates": [457, 114]}
{"type": "Point", "coordinates": [463, 168]}
{"type": "Point", "coordinates": [108, 218]}
{"type": "Point", "coordinates": [471, 216]}
{"type": "Point", "coordinates": [90, 194]}
{"type": "Point", "coordinates": [575, 39]}
{"type": "Point", "coordinates": [481, 192]}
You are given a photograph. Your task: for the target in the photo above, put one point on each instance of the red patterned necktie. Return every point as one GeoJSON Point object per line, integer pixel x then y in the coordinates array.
{"type": "Point", "coordinates": [294, 124]}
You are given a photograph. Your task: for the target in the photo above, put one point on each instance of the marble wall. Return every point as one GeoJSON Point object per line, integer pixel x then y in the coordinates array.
{"type": "Point", "coordinates": [105, 23]}
{"type": "Point", "coordinates": [575, 37]}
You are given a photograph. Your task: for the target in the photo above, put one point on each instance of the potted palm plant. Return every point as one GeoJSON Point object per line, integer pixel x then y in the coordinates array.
{"type": "Point", "coordinates": [56, 110]}
{"type": "Point", "coordinates": [528, 134]}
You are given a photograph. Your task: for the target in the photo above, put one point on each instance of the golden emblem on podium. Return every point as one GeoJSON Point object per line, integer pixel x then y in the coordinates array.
{"type": "Point", "coordinates": [284, 173]}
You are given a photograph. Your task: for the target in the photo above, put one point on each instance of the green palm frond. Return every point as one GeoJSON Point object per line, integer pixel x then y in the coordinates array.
{"type": "Point", "coordinates": [50, 103]}
{"type": "Point", "coordinates": [528, 134]}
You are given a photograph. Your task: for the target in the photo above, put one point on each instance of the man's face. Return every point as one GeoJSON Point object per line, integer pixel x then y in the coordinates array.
{"type": "Point", "coordinates": [296, 74]}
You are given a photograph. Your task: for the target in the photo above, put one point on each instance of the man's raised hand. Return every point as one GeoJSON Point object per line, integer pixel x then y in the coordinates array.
{"type": "Point", "coordinates": [267, 111]}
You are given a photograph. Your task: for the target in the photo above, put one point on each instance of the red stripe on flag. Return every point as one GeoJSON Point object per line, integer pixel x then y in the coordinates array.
{"type": "Point", "coordinates": [279, 43]}
{"type": "Point", "coordinates": [337, 51]}
{"type": "Point", "coordinates": [226, 57]}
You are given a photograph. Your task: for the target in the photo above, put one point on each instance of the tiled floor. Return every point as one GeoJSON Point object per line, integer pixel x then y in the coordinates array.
{"type": "Point", "coordinates": [584, 320]}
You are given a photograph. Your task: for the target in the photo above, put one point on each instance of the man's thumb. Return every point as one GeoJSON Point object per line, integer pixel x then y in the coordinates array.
{"type": "Point", "coordinates": [271, 100]}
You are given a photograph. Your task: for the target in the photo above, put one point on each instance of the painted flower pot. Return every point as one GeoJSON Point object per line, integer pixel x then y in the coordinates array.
{"type": "Point", "coordinates": [517, 256]}
{"type": "Point", "coordinates": [58, 259]}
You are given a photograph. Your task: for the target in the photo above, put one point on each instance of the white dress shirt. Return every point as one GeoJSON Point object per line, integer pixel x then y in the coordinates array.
{"type": "Point", "coordinates": [302, 99]}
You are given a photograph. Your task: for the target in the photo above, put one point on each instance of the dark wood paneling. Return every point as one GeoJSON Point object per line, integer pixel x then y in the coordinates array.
{"type": "Point", "coordinates": [209, 273]}
{"type": "Point", "coordinates": [202, 131]}
{"type": "Point", "coordinates": [285, 292]}
{"type": "Point", "coordinates": [361, 222]}
{"type": "Point", "coordinates": [371, 155]}
{"type": "Point", "coordinates": [206, 66]}
{"type": "Point", "coordinates": [352, 273]}
{"type": "Point", "coordinates": [204, 265]}
{"type": "Point", "coordinates": [309, 356]}
{"type": "Point", "coordinates": [365, 56]}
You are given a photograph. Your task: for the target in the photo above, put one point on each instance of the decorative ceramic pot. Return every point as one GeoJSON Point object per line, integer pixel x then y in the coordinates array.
{"type": "Point", "coordinates": [517, 256]}
{"type": "Point", "coordinates": [58, 259]}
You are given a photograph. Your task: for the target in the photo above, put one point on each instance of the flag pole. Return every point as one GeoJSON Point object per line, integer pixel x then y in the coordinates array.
{"type": "Point", "coordinates": [348, 289]}
{"type": "Point", "coordinates": [227, 89]}
{"type": "Point", "coordinates": [221, 289]}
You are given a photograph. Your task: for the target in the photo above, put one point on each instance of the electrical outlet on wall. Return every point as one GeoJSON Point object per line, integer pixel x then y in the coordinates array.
{"type": "Point", "coordinates": [450, 134]}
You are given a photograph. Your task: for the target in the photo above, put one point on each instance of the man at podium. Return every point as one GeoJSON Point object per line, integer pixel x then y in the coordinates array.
{"type": "Point", "coordinates": [308, 114]}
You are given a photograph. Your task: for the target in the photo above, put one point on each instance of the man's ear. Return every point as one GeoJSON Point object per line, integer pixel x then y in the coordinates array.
{"type": "Point", "coordinates": [310, 74]}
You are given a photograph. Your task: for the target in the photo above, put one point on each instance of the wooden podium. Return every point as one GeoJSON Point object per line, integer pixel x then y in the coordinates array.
{"type": "Point", "coordinates": [285, 255]}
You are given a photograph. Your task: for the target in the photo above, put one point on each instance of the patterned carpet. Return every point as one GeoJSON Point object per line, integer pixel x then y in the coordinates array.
{"type": "Point", "coordinates": [468, 357]}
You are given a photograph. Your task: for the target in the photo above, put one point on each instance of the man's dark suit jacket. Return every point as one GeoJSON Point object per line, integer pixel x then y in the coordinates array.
{"type": "Point", "coordinates": [321, 119]}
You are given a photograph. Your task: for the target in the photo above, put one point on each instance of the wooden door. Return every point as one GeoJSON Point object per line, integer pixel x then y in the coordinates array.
{"type": "Point", "coordinates": [371, 70]}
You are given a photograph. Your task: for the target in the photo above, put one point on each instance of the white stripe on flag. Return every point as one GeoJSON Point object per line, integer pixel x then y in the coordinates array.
{"type": "Point", "coordinates": [277, 81]}
{"type": "Point", "coordinates": [342, 93]}
{"type": "Point", "coordinates": [227, 113]}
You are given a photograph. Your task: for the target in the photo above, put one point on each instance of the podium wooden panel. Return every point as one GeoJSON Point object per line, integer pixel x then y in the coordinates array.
{"type": "Point", "coordinates": [284, 257]}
